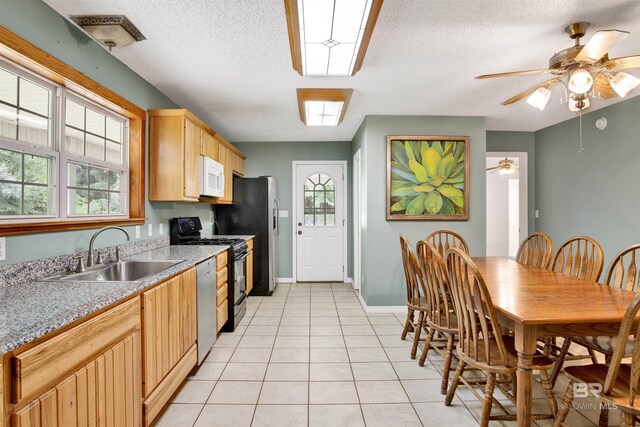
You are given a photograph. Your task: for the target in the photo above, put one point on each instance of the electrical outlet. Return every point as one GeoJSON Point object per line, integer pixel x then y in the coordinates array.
{"type": "Point", "coordinates": [536, 213]}
{"type": "Point", "coordinates": [150, 230]}
{"type": "Point", "coordinates": [137, 231]}
{"type": "Point", "coordinates": [3, 248]}
{"type": "Point", "coordinates": [161, 229]}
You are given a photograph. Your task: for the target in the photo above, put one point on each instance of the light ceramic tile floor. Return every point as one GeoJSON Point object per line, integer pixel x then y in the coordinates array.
{"type": "Point", "coordinates": [310, 356]}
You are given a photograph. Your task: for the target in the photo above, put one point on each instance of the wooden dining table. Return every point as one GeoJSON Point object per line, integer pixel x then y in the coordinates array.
{"type": "Point", "coordinates": [533, 302]}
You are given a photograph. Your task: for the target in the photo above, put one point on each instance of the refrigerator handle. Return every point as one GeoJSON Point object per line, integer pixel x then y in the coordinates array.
{"type": "Point", "coordinates": [276, 219]}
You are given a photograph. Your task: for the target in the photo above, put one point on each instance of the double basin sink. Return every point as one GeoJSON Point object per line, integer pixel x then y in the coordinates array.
{"type": "Point", "coordinates": [120, 271]}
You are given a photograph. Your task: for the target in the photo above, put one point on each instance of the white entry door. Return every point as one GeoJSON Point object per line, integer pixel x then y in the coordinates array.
{"type": "Point", "coordinates": [320, 226]}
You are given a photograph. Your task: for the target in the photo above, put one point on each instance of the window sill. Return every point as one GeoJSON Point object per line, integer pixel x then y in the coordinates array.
{"type": "Point", "coordinates": [54, 226]}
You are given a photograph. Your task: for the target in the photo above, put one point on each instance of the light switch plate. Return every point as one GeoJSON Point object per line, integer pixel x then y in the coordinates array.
{"type": "Point", "coordinates": [283, 214]}
{"type": "Point", "coordinates": [161, 229]}
{"type": "Point", "coordinates": [150, 230]}
{"type": "Point", "coordinates": [137, 231]}
{"type": "Point", "coordinates": [536, 213]}
{"type": "Point", "coordinates": [3, 248]}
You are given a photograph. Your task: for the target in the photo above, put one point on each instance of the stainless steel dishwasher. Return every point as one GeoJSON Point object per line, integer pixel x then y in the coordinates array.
{"type": "Point", "coordinates": [206, 294]}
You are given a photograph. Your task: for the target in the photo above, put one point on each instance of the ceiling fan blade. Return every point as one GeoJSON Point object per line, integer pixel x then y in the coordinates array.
{"type": "Point", "coordinates": [494, 168]}
{"type": "Point", "coordinates": [512, 73]}
{"type": "Point", "coordinates": [600, 44]}
{"type": "Point", "coordinates": [602, 85]}
{"type": "Point", "coordinates": [529, 91]}
{"type": "Point", "coordinates": [623, 63]}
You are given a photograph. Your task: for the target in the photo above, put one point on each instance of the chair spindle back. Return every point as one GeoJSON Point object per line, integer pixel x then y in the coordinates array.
{"type": "Point", "coordinates": [536, 251]}
{"type": "Point", "coordinates": [436, 282]}
{"type": "Point", "coordinates": [443, 240]}
{"type": "Point", "coordinates": [580, 257]}
{"type": "Point", "coordinates": [412, 272]}
{"type": "Point", "coordinates": [624, 271]}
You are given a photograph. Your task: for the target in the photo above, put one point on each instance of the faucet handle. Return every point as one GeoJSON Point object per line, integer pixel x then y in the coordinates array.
{"type": "Point", "coordinates": [100, 259]}
{"type": "Point", "coordinates": [80, 263]}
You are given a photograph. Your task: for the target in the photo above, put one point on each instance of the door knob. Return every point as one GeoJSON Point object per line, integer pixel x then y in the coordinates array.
{"type": "Point", "coordinates": [299, 231]}
{"type": "Point", "coordinates": [299, 224]}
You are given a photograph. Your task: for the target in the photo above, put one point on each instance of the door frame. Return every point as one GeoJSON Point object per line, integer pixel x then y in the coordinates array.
{"type": "Point", "coordinates": [294, 206]}
{"type": "Point", "coordinates": [524, 187]}
{"type": "Point", "coordinates": [357, 224]}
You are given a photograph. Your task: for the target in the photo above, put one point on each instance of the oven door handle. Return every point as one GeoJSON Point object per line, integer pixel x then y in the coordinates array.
{"type": "Point", "coordinates": [240, 257]}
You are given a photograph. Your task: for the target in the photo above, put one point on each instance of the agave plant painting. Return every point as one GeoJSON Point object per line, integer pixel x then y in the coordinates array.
{"type": "Point", "coordinates": [427, 178]}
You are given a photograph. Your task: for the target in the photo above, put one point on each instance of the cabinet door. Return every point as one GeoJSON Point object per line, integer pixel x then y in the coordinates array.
{"type": "Point", "coordinates": [209, 146]}
{"type": "Point", "coordinates": [226, 158]}
{"type": "Point", "coordinates": [238, 164]}
{"type": "Point", "coordinates": [192, 135]}
{"type": "Point", "coordinates": [105, 392]}
{"type": "Point", "coordinates": [169, 325]}
{"type": "Point", "coordinates": [249, 272]}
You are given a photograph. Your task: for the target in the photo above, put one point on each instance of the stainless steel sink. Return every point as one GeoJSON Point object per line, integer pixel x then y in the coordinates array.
{"type": "Point", "coordinates": [122, 271]}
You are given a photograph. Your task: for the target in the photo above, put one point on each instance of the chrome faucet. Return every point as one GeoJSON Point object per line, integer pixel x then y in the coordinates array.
{"type": "Point", "coordinates": [90, 261]}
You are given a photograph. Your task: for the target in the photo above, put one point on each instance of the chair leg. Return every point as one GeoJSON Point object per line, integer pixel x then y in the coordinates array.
{"type": "Point", "coordinates": [594, 359]}
{"type": "Point", "coordinates": [447, 365]}
{"type": "Point", "coordinates": [416, 334]}
{"type": "Point", "coordinates": [488, 399]}
{"type": "Point", "coordinates": [565, 407]}
{"type": "Point", "coordinates": [548, 392]}
{"type": "Point", "coordinates": [607, 359]}
{"type": "Point", "coordinates": [557, 366]}
{"type": "Point", "coordinates": [408, 324]}
{"type": "Point", "coordinates": [454, 383]}
{"type": "Point", "coordinates": [427, 346]}
{"type": "Point", "coordinates": [603, 421]}
{"type": "Point", "coordinates": [628, 420]}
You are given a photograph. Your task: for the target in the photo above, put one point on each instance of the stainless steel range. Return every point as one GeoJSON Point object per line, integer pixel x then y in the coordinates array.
{"type": "Point", "coordinates": [186, 231]}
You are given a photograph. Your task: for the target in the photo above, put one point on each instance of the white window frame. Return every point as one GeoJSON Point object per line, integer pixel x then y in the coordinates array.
{"type": "Point", "coordinates": [56, 151]}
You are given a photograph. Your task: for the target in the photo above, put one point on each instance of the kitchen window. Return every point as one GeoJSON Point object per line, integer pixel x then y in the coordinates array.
{"type": "Point", "coordinates": [62, 157]}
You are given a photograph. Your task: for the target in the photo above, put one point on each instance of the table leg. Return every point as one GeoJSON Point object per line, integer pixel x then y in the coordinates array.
{"type": "Point", "coordinates": [525, 341]}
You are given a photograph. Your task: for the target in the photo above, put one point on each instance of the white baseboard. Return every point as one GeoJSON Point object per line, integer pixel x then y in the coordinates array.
{"type": "Point", "coordinates": [381, 308]}
{"type": "Point", "coordinates": [284, 279]}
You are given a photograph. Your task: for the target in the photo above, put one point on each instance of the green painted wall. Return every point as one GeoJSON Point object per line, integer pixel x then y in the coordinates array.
{"type": "Point", "coordinates": [521, 142]}
{"type": "Point", "coordinates": [36, 22]}
{"type": "Point", "coordinates": [381, 262]}
{"type": "Point", "coordinates": [595, 192]}
{"type": "Point", "coordinates": [275, 159]}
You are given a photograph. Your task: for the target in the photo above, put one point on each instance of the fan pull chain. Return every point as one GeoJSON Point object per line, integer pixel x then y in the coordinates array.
{"type": "Point", "coordinates": [581, 150]}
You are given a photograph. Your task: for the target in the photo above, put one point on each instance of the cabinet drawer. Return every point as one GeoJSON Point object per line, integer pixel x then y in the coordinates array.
{"type": "Point", "coordinates": [250, 244]}
{"type": "Point", "coordinates": [223, 315]}
{"type": "Point", "coordinates": [221, 294]}
{"type": "Point", "coordinates": [221, 260]}
{"type": "Point", "coordinates": [221, 277]}
{"type": "Point", "coordinates": [46, 362]}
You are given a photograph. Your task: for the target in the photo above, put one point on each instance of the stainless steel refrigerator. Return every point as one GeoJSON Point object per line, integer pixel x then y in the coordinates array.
{"type": "Point", "coordinates": [254, 211]}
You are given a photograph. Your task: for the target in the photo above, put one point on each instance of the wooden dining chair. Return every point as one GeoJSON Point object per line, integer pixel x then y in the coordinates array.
{"type": "Point", "coordinates": [536, 250]}
{"type": "Point", "coordinates": [443, 240]}
{"type": "Point", "coordinates": [617, 383]}
{"type": "Point", "coordinates": [480, 342]}
{"type": "Point", "coordinates": [416, 302]}
{"type": "Point", "coordinates": [440, 315]}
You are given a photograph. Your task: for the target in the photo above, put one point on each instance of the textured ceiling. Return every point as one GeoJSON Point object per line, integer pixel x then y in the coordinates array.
{"type": "Point", "coordinates": [228, 61]}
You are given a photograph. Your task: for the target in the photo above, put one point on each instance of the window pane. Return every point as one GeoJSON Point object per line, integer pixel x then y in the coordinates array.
{"type": "Point", "coordinates": [114, 204]}
{"type": "Point", "coordinates": [8, 122]}
{"type": "Point", "coordinates": [74, 141]}
{"type": "Point", "coordinates": [319, 219]}
{"type": "Point", "coordinates": [331, 219]}
{"type": "Point", "coordinates": [94, 147]}
{"type": "Point", "coordinates": [98, 178]}
{"type": "Point", "coordinates": [36, 169]}
{"type": "Point", "coordinates": [308, 219]}
{"type": "Point", "coordinates": [98, 202]}
{"type": "Point", "coordinates": [95, 122]}
{"type": "Point", "coordinates": [114, 153]}
{"type": "Point", "coordinates": [34, 98]}
{"type": "Point", "coordinates": [78, 175]}
{"type": "Point", "coordinates": [114, 130]}
{"type": "Point", "coordinates": [36, 200]}
{"type": "Point", "coordinates": [10, 199]}
{"type": "Point", "coordinates": [10, 165]}
{"type": "Point", "coordinates": [114, 180]}
{"type": "Point", "coordinates": [74, 114]}
{"type": "Point", "coordinates": [33, 129]}
{"type": "Point", "coordinates": [319, 199]}
{"type": "Point", "coordinates": [8, 87]}
{"type": "Point", "coordinates": [78, 202]}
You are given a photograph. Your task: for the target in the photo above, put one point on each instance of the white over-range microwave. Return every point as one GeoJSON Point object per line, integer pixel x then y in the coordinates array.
{"type": "Point", "coordinates": [212, 178]}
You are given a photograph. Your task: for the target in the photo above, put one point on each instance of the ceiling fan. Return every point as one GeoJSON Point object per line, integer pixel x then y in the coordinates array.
{"type": "Point", "coordinates": [583, 71]}
{"type": "Point", "coordinates": [505, 167]}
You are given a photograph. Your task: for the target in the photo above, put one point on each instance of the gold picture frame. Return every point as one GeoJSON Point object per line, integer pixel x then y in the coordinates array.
{"type": "Point", "coordinates": [428, 178]}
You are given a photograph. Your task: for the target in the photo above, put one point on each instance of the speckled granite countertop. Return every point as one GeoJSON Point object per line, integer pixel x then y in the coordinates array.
{"type": "Point", "coordinates": [31, 310]}
{"type": "Point", "coordinates": [235, 236]}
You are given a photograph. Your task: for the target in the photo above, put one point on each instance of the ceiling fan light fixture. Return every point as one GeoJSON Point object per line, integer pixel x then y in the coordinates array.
{"type": "Point", "coordinates": [507, 171]}
{"type": "Point", "coordinates": [624, 83]}
{"type": "Point", "coordinates": [580, 81]}
{"type": "Point", "coordinates": [539, 98]}
{"type": "Point", "coordinates": [576, 105]}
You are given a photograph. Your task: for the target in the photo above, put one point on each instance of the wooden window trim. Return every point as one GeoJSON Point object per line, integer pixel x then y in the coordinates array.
{"type": "Point", "coordinates": [27, 55]}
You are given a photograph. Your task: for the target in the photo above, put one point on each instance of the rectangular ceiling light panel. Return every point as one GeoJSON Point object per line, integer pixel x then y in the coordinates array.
{"type": "Point", "coordinates": [331, 34]}
{"type": "Point", "coordinates": [323, 113]}
{"type": "Point", "coordinates": [323, 107]}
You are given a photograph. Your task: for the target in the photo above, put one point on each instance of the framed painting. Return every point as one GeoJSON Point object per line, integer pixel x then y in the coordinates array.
{"type": "Point", "coordinates": [428, 178]}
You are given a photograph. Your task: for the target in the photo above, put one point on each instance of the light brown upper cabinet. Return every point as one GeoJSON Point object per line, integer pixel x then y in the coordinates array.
{"type": "Point", "coordinates": [177, 139]}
